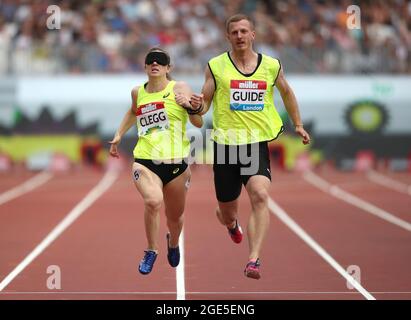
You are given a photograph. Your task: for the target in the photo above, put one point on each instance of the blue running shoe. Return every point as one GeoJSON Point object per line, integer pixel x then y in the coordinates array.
{"type": "Point", "coordinates": [146, 265]}
{"type": "Point", "coordinates": [173, 254]}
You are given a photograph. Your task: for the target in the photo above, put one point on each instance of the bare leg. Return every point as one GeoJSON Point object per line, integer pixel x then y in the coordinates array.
{"type": "Point", "coordinates": [150, 187]}
{"type": "Point", "coordinates": [227, 213]}
{"type": "Point", "coordinates": [259, 221]}
{"type": "Point", "coordinates": [174, 198]}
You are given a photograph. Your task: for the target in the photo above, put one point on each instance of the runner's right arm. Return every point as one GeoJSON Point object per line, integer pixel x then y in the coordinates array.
{"type": "Point", "coordinates": [127, 122]}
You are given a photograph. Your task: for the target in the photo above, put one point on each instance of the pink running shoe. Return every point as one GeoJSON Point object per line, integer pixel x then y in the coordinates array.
{"type": "Point", "coordinates": [252, 269]}
{"type": "Point", "coordinates": [236, 233]}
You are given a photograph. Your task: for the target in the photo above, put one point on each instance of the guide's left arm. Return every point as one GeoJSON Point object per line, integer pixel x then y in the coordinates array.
{"type": "Point", "coordinates": [291, 105]}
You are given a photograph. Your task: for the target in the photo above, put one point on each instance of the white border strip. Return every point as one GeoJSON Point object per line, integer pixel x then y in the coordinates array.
{"type": "Point", "coordinates": [103, 185]}
{"type": "Point", "coordinates": [289, 222]}
{"type": "Point", "coordinates": [339, 193]}
{"type": "Point", "coordinates": [388, 182]}
{"type": "Point", "coordinates": [29, 185]}
{"type": "Point", "coordinates": [180, 277]}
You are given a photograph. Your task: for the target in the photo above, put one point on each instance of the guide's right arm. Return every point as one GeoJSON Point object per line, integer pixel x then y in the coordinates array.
{"type": "Point", "coordinates": [207, 93]}
{"type": "Point", "coordinates": [128, 120]}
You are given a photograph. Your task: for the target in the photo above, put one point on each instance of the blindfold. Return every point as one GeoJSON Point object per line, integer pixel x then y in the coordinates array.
{"type": "Point", "coordinates": [160, 57]}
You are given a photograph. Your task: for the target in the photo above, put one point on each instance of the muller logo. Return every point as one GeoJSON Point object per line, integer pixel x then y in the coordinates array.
{"type": "Point", "coordinates": [148, 108]}
{"type": "Point", "coordinates": [248, 85]}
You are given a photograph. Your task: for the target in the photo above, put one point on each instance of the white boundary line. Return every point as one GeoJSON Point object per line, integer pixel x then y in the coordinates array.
{"type": "Point", "coordinates": [103, 185]}
{"type": "Point", "coordinates": [31, 184]}
{"type": "Point", "coordinates": [289, 222]}
{"type": "Point", "coordinates": [389, 182]}
{"type": "Point", "coordinates": [180, 277]}
{"type": "Point", "coordinates": [339, 193]}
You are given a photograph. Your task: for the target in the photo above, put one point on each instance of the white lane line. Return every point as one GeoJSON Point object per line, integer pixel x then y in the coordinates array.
{"type": "Point", "coordinates": [339, 193]}
{"type": "Point", "coordinates": [103, 185]}
{"type": "Point", "coordinates": [289, 222]}
{"type": "Point", "coordinates": [29, 185]}
{"type": "Point", "coordinates": [180, 277]}
{"type": "Point", "coordinates": [389, 182]}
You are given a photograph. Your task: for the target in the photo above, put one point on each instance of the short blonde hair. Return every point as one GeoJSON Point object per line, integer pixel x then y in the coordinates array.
{"type": "Point", "coordinates": [238, 17]}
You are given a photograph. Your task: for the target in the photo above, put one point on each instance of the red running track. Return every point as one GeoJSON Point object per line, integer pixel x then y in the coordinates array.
{"type": "Point", "coordinates": [98, 254]}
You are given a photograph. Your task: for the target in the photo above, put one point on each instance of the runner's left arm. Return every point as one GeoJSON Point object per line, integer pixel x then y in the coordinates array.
{"type": "Point", "coordinates": [182, 95]}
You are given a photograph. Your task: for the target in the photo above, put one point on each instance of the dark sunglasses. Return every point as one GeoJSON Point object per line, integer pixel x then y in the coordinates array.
{"type": "Point", "coordinates": [160, 57]}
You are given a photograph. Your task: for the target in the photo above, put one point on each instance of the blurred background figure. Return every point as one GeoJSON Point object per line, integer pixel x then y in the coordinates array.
{"type": "Point", "coordinates": [352, 84]}
{"type": "Point", "coordinates": [111, 36]}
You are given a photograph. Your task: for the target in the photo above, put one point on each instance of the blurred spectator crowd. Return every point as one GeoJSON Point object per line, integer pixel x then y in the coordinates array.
{"type": "Point", "coordinates": [113, 36]}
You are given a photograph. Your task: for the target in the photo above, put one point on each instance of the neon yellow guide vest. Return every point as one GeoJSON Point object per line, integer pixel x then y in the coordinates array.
{"type": "Point", "coordinates": [243, 105]}
{"type": "Point", "coordinates": [161, 125]}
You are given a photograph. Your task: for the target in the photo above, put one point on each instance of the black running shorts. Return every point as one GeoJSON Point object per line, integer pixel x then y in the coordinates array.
{"type": "Point", "coordinates": [235, 165]}
{"type": "Point", "coordinates": [165, 171]}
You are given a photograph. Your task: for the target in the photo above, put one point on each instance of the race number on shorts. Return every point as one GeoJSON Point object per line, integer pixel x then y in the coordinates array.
{"type": "Point", "coordinates": [152, 117]}
{"type": "Point", "coordinates": [247, 95]}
